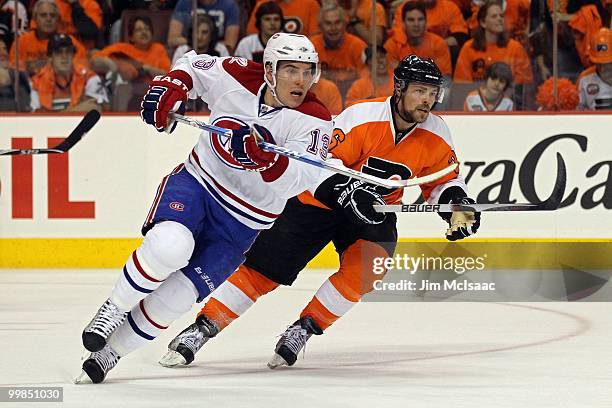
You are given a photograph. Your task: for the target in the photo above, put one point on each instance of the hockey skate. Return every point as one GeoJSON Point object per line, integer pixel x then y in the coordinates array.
{"type": "Point", "coordinates": [183, 348]}
{"type": "Point", "coordinates": [292, 341]}
{"type": "Point", "coordinates": [104, 323]}
{"type": "Point", "coordinates": [98, 365]}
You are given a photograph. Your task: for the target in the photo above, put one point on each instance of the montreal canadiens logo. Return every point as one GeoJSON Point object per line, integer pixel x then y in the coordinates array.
{"type": "Point", "coordinates": [176, 206]}
{"type": "Point", "coordinates": [221, 144]}
{"type": "Point", "coordinates": [204, 63]}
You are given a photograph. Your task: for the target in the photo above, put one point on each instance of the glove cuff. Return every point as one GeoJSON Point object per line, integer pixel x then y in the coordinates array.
{"type": "Point", "coordinates": [183, 77]}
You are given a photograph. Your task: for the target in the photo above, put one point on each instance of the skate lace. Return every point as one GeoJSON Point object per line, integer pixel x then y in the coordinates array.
{"type": "Point", "coordinates": [295, 338]}
{"type": "Point", "coordinates": [108, 318]}
{"type": "Point", "coordinates": [106, 358]}
{"type": "Point", "coordinates": [193, 339]}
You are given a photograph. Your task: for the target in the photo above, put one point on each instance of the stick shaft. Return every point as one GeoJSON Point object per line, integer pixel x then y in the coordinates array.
{"type": "Point", "coordinates": [305, 158]}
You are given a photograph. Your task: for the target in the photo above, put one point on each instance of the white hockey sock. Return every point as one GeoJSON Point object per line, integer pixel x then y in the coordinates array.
{"type": "Point", "coordinates": [154, 313]}
{"type": "Point", "coordinates": [166, 248]}
{"type": "Point", "coordinates": [134, 283]}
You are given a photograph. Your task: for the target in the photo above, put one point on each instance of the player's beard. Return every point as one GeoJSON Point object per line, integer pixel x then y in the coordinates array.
{"type": "Point", "coordinates": [413, 115]}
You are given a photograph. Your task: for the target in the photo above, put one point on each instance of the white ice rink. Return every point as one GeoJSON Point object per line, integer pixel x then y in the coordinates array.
{"type": "Point", "coordinates": [380, 355]}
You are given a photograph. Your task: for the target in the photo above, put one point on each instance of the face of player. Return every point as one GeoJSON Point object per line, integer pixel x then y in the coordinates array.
{"type": "Point", "coordinates": [142, 35]}
{"type": "Point", "coordinates": [293, 80]}
{"type": "Point", "coordinates": [47, 19]}
{"type": "Point", "coordinates": [495, 86]}
{"type": "Point", "coordinates": [332, 27]}
{"type": "Point", "coordinates": [605, 72]}
{"type": "Point", "coordinates": [203, 35]}
{"type": "Point", "coordinates": [494, 20]}
{"type": "Point", "coordinates": [417, 101]}
{"type": "Point", "coordinates": [415, 24]}
{"type": "Point", "coordinates": [270, 25]}
{"type": "Point", "coordinates": [62, 60]}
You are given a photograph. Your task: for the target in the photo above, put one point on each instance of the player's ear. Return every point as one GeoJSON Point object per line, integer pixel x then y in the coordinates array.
{"type": "Point", "coordinates": [268, 73]}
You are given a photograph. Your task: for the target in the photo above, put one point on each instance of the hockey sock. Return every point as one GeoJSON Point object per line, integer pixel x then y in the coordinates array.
{"type": "Point", "coordinates": [344, 289]}
{"type": "Point", "coordinates": [236, 296]}
{"type": "Point", "coordinates": [154, 313]}
{"type": "Point", "coordinates": [166, 248]}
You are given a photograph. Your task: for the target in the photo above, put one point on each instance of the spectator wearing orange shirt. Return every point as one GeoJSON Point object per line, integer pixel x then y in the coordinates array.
{"type": "Point", "coordinates": [9, 101]}
{"type": "Point", "coordinates": [444, 18]}
{"type": "Point", "coordinates": [80, 18]}
{"type": "Point", "coordinates": [328, 93]}
{"type": "Point", "coordinates": [415, 39]}
{"type": "Point", "coordinates": [341, 54]}
{"type": "Point", "coordinates": [491, 43]}
{"type": "Point", "coordinates": [300, 16]}
{"type": "Point", "coordinates": [33, 44]}
{"type": "Point", "coordinates": [364, 87]}
{"type": "Point", "coordinates": [360, 20]}
{"type": "Point", "coordinates": [63, 85]}
{"type": "Point", "coordinates": [138, 60]}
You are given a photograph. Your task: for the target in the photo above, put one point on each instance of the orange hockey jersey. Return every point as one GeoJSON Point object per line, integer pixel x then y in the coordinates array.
{"type": "Point", "coordinates": [364, 137]}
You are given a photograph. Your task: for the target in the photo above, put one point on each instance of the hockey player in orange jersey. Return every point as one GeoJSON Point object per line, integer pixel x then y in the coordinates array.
{"type": "Point", "coordinates": [389, 137]}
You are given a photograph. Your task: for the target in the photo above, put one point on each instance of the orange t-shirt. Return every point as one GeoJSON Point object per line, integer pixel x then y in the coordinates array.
{"type": "Point", "coordinates": [48, 89]}
{"type": "Point", "coordinates": [364, 13]}
{"type": "Point", "coordinates": [433, 46]}
{"type": "Point", "coordinates": [364, 88]}
{"type": "Point", "coordinates": [345, 62]}
{"type": "Point", "coordinates": [472, 64]}
{"type": "Point", "coordinates": [328, 93]}
{"type": "Point", "coordinates": [92, 10]}
{"type": "Point", "coordinates": [155, 56]}
{"type": "Point", "coordinates": [364, 136]}
{"type": "Point", "coordinates": [301, 16]}
{"type": "Point", "coordinates": [443, 19]}
{"type": "Point", "coordinates": [33, 52]}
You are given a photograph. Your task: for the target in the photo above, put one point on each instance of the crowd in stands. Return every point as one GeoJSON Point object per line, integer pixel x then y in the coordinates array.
{"type": "Point", "coordinates": [75, 55]}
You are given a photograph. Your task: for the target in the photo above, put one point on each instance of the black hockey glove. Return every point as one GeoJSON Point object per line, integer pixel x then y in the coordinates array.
{"type": "Point", "coordinates": [355, 197]}
{"type": "Point", "coordinates": [461, 224]}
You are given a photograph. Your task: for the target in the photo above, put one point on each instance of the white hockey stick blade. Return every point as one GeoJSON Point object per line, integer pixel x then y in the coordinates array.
{"type": "Point", "coordinates": [550, 204]}
{"type": "Point", "coordinates": [309, 159]}
{"type": "Point", "coordinates": [85, 125]}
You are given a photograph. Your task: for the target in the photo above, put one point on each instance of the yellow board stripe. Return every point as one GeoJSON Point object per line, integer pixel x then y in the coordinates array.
{"type": "Point", "coordinates": [516, 253]}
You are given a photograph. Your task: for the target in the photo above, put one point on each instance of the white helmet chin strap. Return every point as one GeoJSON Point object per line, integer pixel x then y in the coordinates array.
{"type": "Point", "coordinates": [272, 85]}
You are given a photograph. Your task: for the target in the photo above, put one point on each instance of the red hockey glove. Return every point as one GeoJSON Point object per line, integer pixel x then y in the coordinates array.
{"type": "Point", "coordinates": [167, 93]}
{"type": "Point", "coordinates": [245, 149]}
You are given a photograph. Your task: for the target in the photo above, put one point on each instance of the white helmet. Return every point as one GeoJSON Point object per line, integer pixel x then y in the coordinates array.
{"type": "Point", "coordinates": [289, 47]}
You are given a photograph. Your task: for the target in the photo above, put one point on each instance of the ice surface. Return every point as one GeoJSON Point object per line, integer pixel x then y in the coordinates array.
{"type": "Point", "coordinates": [379, 355]}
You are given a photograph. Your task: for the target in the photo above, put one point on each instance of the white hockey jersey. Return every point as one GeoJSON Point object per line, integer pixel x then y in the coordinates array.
{"type": "Point", "coordinates": [251, 48]}
{"type": "Point", "coordinates": [595, 93]}
{"type": "Point", "coordinates": [233, 89]}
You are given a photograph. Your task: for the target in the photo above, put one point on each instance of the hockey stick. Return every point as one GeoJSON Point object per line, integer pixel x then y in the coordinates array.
{"type": "Point", "coordinates": [337, 168]}
{"type": "Point", "coordinates": [84, 126]}
{"type": "Point", "coordinates": [550, 204]}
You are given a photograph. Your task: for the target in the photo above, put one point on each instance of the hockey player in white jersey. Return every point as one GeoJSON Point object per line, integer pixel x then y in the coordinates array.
{"type": "Point", "coordinates": [208, 211]}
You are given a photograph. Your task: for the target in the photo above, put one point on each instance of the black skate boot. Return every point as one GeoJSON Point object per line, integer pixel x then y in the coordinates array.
{"type": "Point", "coordinates": [99, 364]}
{"type": "Point", "coordinates": [104, 323]}
{"type": "Point", "coordinates": [292, 341]}
{"type": "Point", "coordinates": [183, 348]}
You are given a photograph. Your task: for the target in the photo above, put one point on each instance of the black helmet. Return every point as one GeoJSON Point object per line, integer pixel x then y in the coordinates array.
{"type": "Point", "coordinates": [416, 69]}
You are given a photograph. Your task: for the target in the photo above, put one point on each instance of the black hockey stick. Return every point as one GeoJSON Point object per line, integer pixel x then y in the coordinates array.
{"type": "Point", "coordinates": [84, 126]}
{"type": "Point", "coordinates": [550, 204]}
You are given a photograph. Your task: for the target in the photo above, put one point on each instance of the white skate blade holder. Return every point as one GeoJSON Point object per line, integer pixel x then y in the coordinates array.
{"type": "Point", "coordinates": [277, 361]}
{"type": "Point", "coordinates": [172, 359]}
{"type": "Point", "coordinates": [82, 378]}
